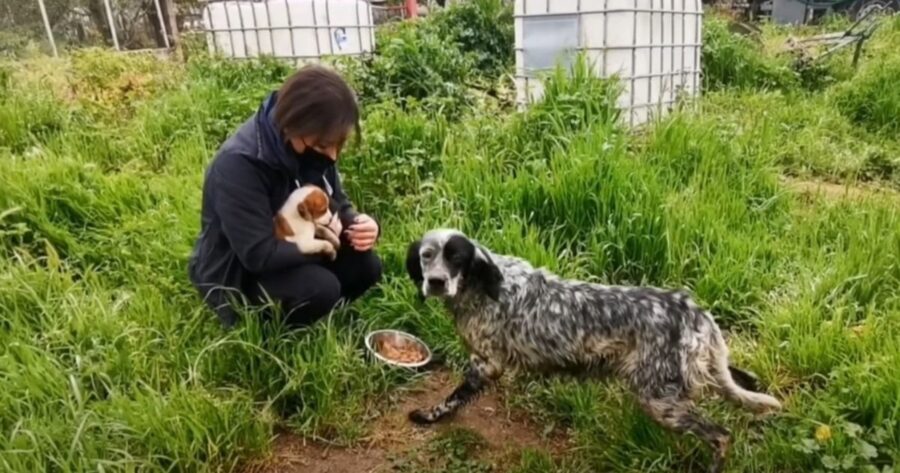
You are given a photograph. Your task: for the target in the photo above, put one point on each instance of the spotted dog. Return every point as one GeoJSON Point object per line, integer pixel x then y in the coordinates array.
{"type": "Point", "coordinates": [512, 316]}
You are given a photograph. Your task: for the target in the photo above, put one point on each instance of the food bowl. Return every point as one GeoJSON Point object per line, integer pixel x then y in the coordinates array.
{"type": "Point", "coordinates": [397, 348]}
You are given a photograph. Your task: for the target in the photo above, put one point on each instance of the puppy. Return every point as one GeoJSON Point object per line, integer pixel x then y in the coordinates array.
{"type": "Point", "coordinates": [512, 316]}
{"type": "Point", "coordinates": [305, 216]}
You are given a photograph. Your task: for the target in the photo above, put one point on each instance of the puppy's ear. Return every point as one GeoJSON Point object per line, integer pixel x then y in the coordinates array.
{"type": "Point", "coordinates": [414, 266]}
{"type": "Point", "coordinates": [486, 274]}
{"type": "Point", "coordinates": [314, 205]}
{"type": "Point", "coordinates": [304, 211]}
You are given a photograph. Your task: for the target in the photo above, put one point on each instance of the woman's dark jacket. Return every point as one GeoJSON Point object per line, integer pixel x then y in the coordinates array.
{"type": "Point", "coordinates": [248, 180]}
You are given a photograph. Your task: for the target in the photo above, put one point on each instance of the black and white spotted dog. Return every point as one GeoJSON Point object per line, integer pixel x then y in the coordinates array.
{"type": "Point", "coordinates": [513, 316]}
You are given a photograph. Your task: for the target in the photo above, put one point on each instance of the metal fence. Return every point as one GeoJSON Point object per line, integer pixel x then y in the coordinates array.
{"type": "Point", "coordinates": [52, 26]}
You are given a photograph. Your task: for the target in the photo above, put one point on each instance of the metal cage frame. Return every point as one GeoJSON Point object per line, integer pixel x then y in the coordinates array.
{"type": "Point", "coordinates": [679, 78]}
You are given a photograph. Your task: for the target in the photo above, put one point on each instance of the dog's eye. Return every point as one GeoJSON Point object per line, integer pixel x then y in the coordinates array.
{"type": "Point", "coordinates": [427, 254]}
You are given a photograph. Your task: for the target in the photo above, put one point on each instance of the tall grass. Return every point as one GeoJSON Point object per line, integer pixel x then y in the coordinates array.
{"type": "Point", "coordinates": [111, 362]}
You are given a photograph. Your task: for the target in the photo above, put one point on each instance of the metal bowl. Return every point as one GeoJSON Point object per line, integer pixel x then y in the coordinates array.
{"type": "Point", "coordinates": [373, 339]}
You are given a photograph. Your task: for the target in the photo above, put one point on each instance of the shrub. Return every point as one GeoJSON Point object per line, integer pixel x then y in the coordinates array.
{"type": "Point", "coordinates": [484, 29]}
{"type": "Point", "coordinates": [730, 60]}
{"type": "Point", "coordinates": [872, 99]}
{"type": "Point", "coordinates": [111, 84]}
{"type": "Point", "coordinates": [439, 61]}
{"type": "Point", "coordinates": [412, 62]}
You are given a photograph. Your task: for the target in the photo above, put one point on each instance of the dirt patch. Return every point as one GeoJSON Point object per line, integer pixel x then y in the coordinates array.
{"type": "Point", "coordinates": [393, 436]}
{"type": "Point", "coordinates": [835, 191]}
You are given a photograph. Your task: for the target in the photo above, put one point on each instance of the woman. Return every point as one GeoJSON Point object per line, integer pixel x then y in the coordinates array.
{"type": "Point", "coordinates": [294, 139]}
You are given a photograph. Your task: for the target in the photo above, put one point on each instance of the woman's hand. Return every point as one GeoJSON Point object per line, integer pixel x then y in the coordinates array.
{"type": "Point", "coordinates": [362, 233]}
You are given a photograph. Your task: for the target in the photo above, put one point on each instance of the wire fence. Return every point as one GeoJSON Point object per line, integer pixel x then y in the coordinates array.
{"type": "Point", "coordinates": [296, 29]}
{"type": "Point", "coordinates": [51, 26]}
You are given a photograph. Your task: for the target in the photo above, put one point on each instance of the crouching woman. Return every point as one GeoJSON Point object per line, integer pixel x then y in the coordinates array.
{"type": "Point", "coordinates": [294, 138]}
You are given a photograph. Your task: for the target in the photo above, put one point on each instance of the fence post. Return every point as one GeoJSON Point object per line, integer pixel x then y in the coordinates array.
{"type": "Point", "coordinates": [112, 24]}
{"type": "Point", "coordinates": [47, 26]}
{"type": "Point", "coordinates": [171, 14]}
{"type": "Point", "coordinates": [162, 23]}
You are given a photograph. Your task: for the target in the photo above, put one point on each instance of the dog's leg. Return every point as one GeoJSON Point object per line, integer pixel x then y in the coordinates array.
{"type": "Point", "coordinates": [312, 246]}
{"type": "Point", "coordinates": [478, 375]}
{"type": "Point", "coordinates": [679, 415]}
{"type": "Point", "coordinates": [328, 235]}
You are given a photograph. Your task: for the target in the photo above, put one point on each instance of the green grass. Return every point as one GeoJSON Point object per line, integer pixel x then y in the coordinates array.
{"type": "Point", "coordinates": [110, 361]}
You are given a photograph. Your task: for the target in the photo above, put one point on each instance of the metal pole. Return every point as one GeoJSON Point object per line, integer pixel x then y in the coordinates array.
{"type": "Point", "coordinates": [47, 26]}
{"type": "Point", "coordinates": [112, 24]}
{"type": "Point", "coordinates": [162, 23]}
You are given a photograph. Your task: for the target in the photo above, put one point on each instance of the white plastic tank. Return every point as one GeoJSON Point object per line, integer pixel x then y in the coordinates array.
{"type": "Point", "coordinates": [652, 45]}
{"type": "Point", "coordinates": [302, 30]}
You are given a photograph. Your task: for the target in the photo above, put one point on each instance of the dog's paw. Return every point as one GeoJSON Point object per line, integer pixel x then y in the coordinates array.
{"type": "Point", "coordinates": [421, 417]}
{"type": "Point", "coordinates": [329, 252]}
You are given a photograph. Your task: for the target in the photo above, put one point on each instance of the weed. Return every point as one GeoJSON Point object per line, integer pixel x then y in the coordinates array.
{"type": "Point", "coordinates": [872, 99]}
{"type": "Point", "coordinates": [453, 451]}
{"type": "Point", "coordinates": [733, 61]}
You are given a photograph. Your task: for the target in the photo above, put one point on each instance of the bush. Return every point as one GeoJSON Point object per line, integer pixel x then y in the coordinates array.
{"type": "Point", "coordinates": [730, 60]}
{"type": "Point", "coordinates": [872, 99]}
{"type": "Point", "coordinates": [111, 84]}
{"type": "Point", "coordinates": [412, 62]}
{"type": "Point", "coordinates": [441, 62]}
{"type": "Point", "coordinates": [484, 29]}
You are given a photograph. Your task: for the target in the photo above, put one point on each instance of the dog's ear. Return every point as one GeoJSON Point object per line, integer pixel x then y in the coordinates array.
{"type": "Point", "coordinates": [304, 211]}
{"type": "Point", "coordinates": [486, 274]}
{"type": "Point", "coordinates": [414, 265]}
{"type": "Point", "coordinates": [314, 205]}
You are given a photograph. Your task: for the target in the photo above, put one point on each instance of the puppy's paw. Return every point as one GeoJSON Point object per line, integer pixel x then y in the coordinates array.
{"type": "Point", "coordinates": [421, 417]}
{"type": "Point", "coordinates": [327, 234]}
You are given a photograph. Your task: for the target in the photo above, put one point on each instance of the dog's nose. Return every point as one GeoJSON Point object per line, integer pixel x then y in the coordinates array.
{"type": "Point", "coordinates": [436, 283]}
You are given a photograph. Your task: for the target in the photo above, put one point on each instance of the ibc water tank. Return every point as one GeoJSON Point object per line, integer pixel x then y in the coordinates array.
{"type": "Point", "coordinates": [652, 45]}
{"type": "Point", "coordinates": [301, 30]}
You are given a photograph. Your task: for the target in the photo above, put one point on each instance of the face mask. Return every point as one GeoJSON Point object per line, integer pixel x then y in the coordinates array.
{"type": "Point", "coordinates": [315, 160]}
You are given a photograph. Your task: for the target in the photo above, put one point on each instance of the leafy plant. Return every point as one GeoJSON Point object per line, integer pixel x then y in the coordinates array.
{"type": "Point", "coordinates": [733, 61]}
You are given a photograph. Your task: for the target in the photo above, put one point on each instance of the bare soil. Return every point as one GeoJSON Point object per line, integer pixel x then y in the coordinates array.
{"type": "Point", "coordinates": [835, 191]}
{"type": "Point", "coordinates": [393, 435]}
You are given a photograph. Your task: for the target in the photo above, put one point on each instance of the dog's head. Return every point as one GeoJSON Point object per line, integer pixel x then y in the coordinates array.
{"type": "Point", "coordinates": [445, 262]}
{"type": "Point", "coordinates": [314, 206]}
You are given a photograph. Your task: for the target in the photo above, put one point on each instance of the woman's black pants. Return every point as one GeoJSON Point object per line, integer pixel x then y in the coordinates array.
{"type": "Point", "coordinates": [309, 292]}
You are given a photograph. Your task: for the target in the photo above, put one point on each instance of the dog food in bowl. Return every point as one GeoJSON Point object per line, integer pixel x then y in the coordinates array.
{"type": "Point", "coordinates": [403, 353]}
{"type": "Point", "coordinates": [398, 348]}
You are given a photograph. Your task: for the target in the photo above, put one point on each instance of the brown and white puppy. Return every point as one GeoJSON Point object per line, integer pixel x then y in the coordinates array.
{"type": "Point", "coordinates": [304, 216]}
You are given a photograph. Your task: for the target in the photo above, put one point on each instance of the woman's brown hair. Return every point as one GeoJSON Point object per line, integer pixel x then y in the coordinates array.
{"type": "Point", "coordinates": [316, 101]}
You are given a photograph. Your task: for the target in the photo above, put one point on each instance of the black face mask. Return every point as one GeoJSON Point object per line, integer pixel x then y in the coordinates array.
{"type": "Point", "coordinates": [315, 160]}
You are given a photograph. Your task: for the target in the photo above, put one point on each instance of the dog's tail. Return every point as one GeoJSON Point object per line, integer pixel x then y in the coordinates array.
{"type": "Point", "coordinates": [736, 384]}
